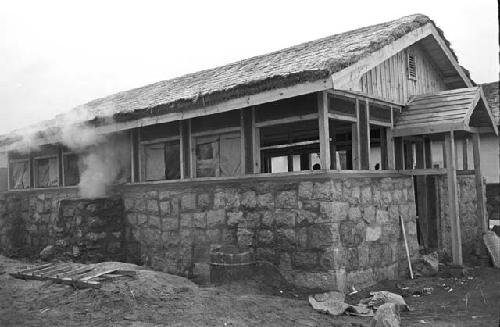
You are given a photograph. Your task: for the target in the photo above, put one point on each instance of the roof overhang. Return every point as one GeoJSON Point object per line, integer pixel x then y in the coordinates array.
{"type": "Point", "coordinates": [455, 110]}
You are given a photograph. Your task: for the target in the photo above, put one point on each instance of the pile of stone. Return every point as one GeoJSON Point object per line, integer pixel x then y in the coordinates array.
{"type": "Point", "coordinates": [383, 306]}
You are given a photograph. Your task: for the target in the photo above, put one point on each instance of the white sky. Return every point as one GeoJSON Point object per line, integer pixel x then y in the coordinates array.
{"type": "Point", "coordinates": [55, 55]}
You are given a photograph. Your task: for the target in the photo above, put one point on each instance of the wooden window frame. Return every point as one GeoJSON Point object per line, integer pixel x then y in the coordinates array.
{"type": "Point", "coordinates": [142, 157]}
{"type": "Point", "coordinates": [14, 161]}
{"type": "Point", "coordinates": [35, 173]}
{"type": "Point", "coordinates": [64, 154]}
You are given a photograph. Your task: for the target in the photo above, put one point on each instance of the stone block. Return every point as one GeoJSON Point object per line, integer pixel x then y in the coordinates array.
{"type": "Point", "coordinates": [199, 219]}
{"type": "Point", "coordinates": [140, 205]}
{"type": "Point", "coordinates": [333, 211]}
{"type": "Point", "coordinates": [167, 195]}
{"type": "Point", "coordinates": [165, 208]}
{"type": "Point", "coordinates": [229, 236]}
{"type": "Point", "coordinates": [322, 191]}
{"type": "Point", "coordinates": [284, 218]}
{"type": "Point", "coordinates": [265, 201]}
{"type": "Point", "coordinates": [129, 204]}
{"type": "Point", "coordinates": [305, 217]}
{"type": "Point", "coordinates": [351, 234]}
{"type": "Point", "coordinates": [286, 200]}
{"type": "Point", "coordinates": [375, 255]}
{"type": "Point", "coordinates": [311, 205]}
{"type": "Point", "coordinates": [285, 238]}
{"type": "Point", "coordinates": [175, 207]}
{"type": "Point", "coordinates": [387, 197]}
{"type": "Point", "coordinates": [216, 218]}
{"type": "Point", "coordinates": [141, 219]}
{"type": "Point", "coordinates": [305, 190]}
{"type": "Point", "coordinates": [234, 218]}
{"type": "Point", "coordinates": [170, 223]}
{"type": "Point", "coordinates": [351, 259]}
{"type": "Point", "coordinates": [267, 254]}
{"type": "Point", "coordinates": [188, 202]}
{"type": "Point", "coordinates": [186, 220]}
{"type": "Point", "coordinates": [301, 237]}
{"type": "Point", "coordinates": [320, 236]}
{"type": "Point", "coordinates": [355, 196]}
{"type": "Point", "coordinates": [397, 196]}
{"type": "Point", "coordinates": [249, 200]}
{"type": "Point", "coordinates": [203, 201]}
{"type": "Point", "coordinates": [265, 237]}
{"type": "Point", "coordinates": [227, 199]}
{"type": "Point", "coordinates": [393, 213]}
{"type": "Point", "coordinates": [366, 194]}
{"type": "Point", "coordinates": [153, 207]}
{"type": "Point", "coordinates": [354, 213]}
{"type": "Point", "coordinates": [382, 216]}
{"type": "Point", "coordinates": [214, 236]}
{"type": "Point", "coordinates": [373, 233]}
{"type": "Point", "coordinates": [267, 219]}
{"type": "Point", "coordinates": [245, 237]}
{"type": "Point", "coordinates": [155, 222]}
{"type": "Point", "coordinates": [404, 211]}
{"type": "Point", "coordinates": [364, 255]}
{"type": "Point", "coordinates": [305, 260]}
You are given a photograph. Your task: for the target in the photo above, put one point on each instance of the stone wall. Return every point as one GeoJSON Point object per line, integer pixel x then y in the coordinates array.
{"type": "Point", "coordinates": [320, 230]}
{"type": "Point", "coordinates": [86, 230]}
{"type": "Point", "coordinates": [469, 225]}
{"type": "Point", "coordinates": [328, 232]}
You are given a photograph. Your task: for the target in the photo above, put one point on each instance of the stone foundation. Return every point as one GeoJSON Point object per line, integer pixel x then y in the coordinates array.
{"type": "Point", "coordinates": [328, 231]}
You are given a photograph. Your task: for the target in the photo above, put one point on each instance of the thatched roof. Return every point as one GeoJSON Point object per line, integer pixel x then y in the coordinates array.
{"type": "Point", "coordinates": [306, 62]}
{"type": "Point", "coordinates": [492, 96]}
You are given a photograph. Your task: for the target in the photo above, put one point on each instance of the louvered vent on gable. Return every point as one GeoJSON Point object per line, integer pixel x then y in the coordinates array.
{"type": "Point", "coordinates": [412, 67]}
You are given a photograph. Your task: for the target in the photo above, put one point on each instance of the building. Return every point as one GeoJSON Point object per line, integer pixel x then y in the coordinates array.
{"type": "Point", "coordinates": [308, 155]}
{"type": "Point", "coordinates": [490, 152]}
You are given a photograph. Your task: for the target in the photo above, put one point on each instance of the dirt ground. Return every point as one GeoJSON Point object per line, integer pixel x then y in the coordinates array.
{"type": "Point", "coordinates": [159, 299]}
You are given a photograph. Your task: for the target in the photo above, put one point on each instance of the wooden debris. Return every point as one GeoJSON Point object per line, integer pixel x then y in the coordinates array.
{"type": "Point", "coordinates": [76, 274]}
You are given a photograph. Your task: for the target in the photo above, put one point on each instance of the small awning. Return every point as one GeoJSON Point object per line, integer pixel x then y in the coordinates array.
{"type": "Point", "coordinates": [455, 110]}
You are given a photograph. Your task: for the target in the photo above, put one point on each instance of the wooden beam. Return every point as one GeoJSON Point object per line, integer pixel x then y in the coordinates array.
{"type": "Point", "coordinates": [481, 198]}
{"type": "Point", "coordinates": [465, 154]}
{"type": "Point", "coordinates": [355, 139]}
{"type": "Point", "coordinates": [324, 131]}
{"type": "Point", "coordinates": [238, 103]}
{"type": "Point", "coordinates": [287, 120]}
{"type": "Point", "coordinates": [424, 172]}
{"type": "Point", "coordinates": [453, 206]}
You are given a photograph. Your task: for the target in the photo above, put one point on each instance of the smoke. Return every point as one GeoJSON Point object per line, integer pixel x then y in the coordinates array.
{"type": "Point", "coordinates": [104, 159]}
{"type": "Point", "coordinates": [103, 165]}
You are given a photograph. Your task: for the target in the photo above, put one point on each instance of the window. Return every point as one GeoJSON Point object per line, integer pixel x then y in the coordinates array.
{"type": "Point", "coordinates": [161, 161]}
{"type": "Point", "coordinates": [218, 155]}
{"type": "Point", "coordinates": [19, 171]}
{"type": "Point", "coordinates": [412, 67]}
{"type": "Point", "coordinates": [46, 172]}
{"type": "Point", "coordinates": [71, 169]}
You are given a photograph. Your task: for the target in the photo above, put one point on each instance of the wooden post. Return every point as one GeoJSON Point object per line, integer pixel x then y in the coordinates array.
{"type": "Point", "coordinates": [383, 149]}
{"type": "Point", "coordinates": [324, 131]}
{"type": "Point", "coordinates": [364, 136]}
{"type": "Point", "coordinates": [428, 153]}
{"type": "Point", "coordinates": [422, 196]}
{"type": "Point", "coordinates": [465, 154]}
{"type": "Point", "coordinates": [132, 156]}
{"type": "Point", "coordinates": [191, 152]}
{"type": "Point", "coordinates": [355, 139]}
{"type": "Point", "coordinates": [481, 199]}
{"type": "Point", "coordinates": [408, 154]}
{"type": "Point", "coordinates": [453, 207]}
{"type": "Point", "coordinates": [243, 142]}
{"type": "Point", "coordinates": [391, 163]}
{"type": "Point", "coordinates": [256, 144]}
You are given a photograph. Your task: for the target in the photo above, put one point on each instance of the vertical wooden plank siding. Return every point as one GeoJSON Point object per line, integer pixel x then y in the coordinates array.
{"type": "Point", "coordinates": [465, 154]}
{"type": "Point", "coordinates": [324, 131]}
{"type": "Point", "coordinates": [364, 136]}
{"type": "Point", "coordinates": [481, 198]}
{"type": "Point", "coordinates": [408, 154]}
{"type": "Point", "coordinates": [247, 132]}
{"type": "Point", "coordinates": [390, 80]}
{"type": "Point", "coordinates": [391, 164]}
{"type": "Point", "coordinates": [453, 213]}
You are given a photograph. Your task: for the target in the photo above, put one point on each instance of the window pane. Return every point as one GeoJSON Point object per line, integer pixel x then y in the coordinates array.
{"type": "Point", "coordinates": [206, 157]}
{"type": "Point", "coordinates": [279, 164]}
{"type": "Point", "coordinates": [20, 177]}
{"type": "Point", "coordinates": [47, 174]}
{"type": "Point", "coordinates": [71, 170]}
{"type": "Point", "coordinates": [172, 160]}
{"type": "Point", "coordinates": [154, 162]}
{"type": "Point", "coordinates": [230, 155]}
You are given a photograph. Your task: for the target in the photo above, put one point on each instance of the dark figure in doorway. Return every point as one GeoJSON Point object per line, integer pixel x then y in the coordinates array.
{"type": "Point", "coordinates": [316, 166]}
